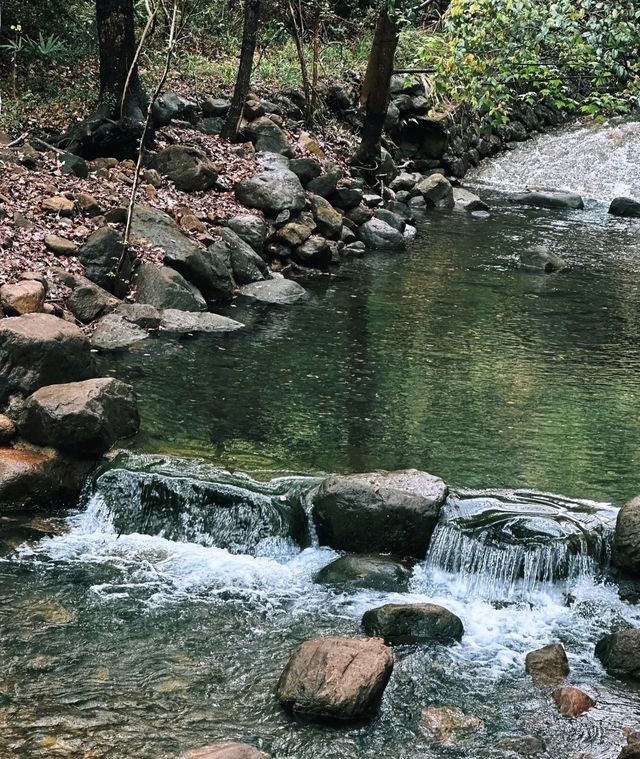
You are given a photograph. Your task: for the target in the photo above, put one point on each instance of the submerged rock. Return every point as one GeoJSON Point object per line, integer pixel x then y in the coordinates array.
{"type": "Point", "coordinates": [444, 724]}
{"type": "Point", "coordinates": [413, 623]}
{"type": "Point", "coordinates": [539, 259]}
{"type": "Point", "coordinates": [335, 678]}
{"type": "Point", "coordinates": [385, 512]}
{"type": "Point", "coordinates": [277, 291]}
{"type": "Point", "coordinates": [572, 702]}
{"type": "Point", "coordinates": [376, 571]}
{"type": "Point", "coordinates": [548, 199]}
{"type": "Point", "coordinates": [626, 542]}
{"type": "Point", "coordinates": [226, 750]}
{"type": "Point", "coordinates": [525, 745]}
{"type": "Point", "coordinates": [547, 665]}
{"type": "Point", "coordinates": [625, 207]}
{"type": "Point", "coordinates": [619, 653]}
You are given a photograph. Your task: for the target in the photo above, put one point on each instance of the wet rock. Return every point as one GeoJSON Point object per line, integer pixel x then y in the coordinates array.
{"type": "Point", "coordinates": [26, 297]}
{"type": "Point", "coordinates": [465, 200]}
{"type": "Point", "coordinates": [539, 259]}
{"type": "Point", "coordinates": [268, 137]}
{"type": "Point", "coordinates": [226, 750]}
{"type": "Point", "coordinates": [347, 197]}
{"type": "Point", "coordinates": [619, 653]}
{"type": "Point", "coordinates": [632, 751]}
{"type": "Point", "coordinates": [572, 702]}
{"type": "Point", "coordinates": [88, 301]}
{"type": "Point", "coordinates": [40, 349]}
{"type": "Point", "coordinates": [162, 287]}
{"type": "Point", "coordinates": [358, 215]}
{"type": "Point", "coordinates": [7, 429]}
{"type": "Point", "coordinates": [80, 417]}
{"type": "Point", "coordinates": [60, 245]}
{"type": "Point", "coordinates": [277, 291]}
{"type": "Point", "coordinates": [106, 261]}
{"type": "Point", "coordinates": [525, 745]}
{"type": "Point", "coordinates": [547, 665]}
{"type": "Point", "coordinates": [314, 252]}
{"type": "Point", "coordinates": [548, 199]}
{"type": "Point", "coordinates": [335, 678]}
{"type": "Point", "coordinates": [375, 571]}
{"type": "Point", "coordinates": [59, 205]}
{"type": "Point", "coordinates": [114, 332]}
{"type": "Point", "coordinates": [329, 220]}
{"type": "Point", "coordinates": [413, 623]}
{"type": "Point", "coordinates": [444, 724]}
{"type": "Point", "coordinates": [392, 219]}
{"type": "Point", "coordinates": [272, 191]}
{"type": "Point", "coordinates": [405, 181]}
{"type": "Point", "coordinates": [376, 234]}
{"type": "Point", "coordinates": [293, 233]}
{"type": "Point", "coordinates": [188, 168]}
{"type": "Point", "coordinates": [305, 169]}
{"type": "Point", "coordinates": [625, 207]}
{"type": "Point", "coordinates": [325, 184]}
{"type": "Point", "coordinates": [250, 228]}
{"type": "Point", "coordinates": [246, 264]}
{"type": "Point", "coordinates": [384, 512]}
{"type": "Point", "coordinates": [436, 190]}
{"type": "Point", "coordinates": [141, 314]}
{"type": "Point", "coordinates": [39, 478]}
{"type": "Point", "coordinates": [189, 321]}
{"type": "Point", "coordinates": [626, 542]}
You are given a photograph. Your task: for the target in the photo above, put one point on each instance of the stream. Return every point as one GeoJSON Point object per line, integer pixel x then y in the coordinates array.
{"type": "Point", "coordinates": [147, 621]}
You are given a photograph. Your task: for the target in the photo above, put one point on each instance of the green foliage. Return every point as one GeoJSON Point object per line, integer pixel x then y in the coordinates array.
{"type": "Point", "coordinates": [580, 54]}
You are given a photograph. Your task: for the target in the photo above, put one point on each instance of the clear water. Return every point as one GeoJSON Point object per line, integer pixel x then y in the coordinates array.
{"type": "Point", "coordinates": [131, 633]}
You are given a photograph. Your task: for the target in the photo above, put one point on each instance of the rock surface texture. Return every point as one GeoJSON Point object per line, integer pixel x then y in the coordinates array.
{"type": "Point", "coordinates": [619, 653]}
{"type": "Point", "coordinates": [226, 750]}
{"type": "Point", "coordinates": [547, 665]}
{"type": "Point", "coordinates": [375, 571]}
{"type": "Point", "coordinates": [626, 542]}
{"type": "Point", "coordinates": [413, 623]}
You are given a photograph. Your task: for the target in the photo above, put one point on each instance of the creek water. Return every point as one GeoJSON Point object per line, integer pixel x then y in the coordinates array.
{"type": "Point", "coordinates": [151, 620]}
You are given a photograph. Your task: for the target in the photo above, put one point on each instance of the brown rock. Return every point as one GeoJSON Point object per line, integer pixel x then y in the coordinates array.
{"type": "Point", "coordinates": [7, 429]}
{"type": "Point", "coordinates": [25, 297]}
{"type": "Point", "coordinates": [59, 204]}
{"type": "Point", "coordinates": [572, 702]}
{"type": "Point", "coordinates": [547, 665]}
{"type": "Point", "coordinates": [88, 204]}
{"type": "Point", "coordinates": [60, 245]}
{"type": "Point", "coordinates": [227, 750]}
{"type": "Point", "coordinates": [293, 234]}
{"type": "Point", "coordinates": [335, 678]}
{"type": "Point", "coordinates": [445, 723]}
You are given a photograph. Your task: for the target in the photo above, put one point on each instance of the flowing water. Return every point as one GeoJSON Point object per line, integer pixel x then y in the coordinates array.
{"type": "Point", "coordinates": [158, 615]}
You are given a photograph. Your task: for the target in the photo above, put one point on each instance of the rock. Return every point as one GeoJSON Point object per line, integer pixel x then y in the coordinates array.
{"type": "Point", "coordinates": [39, 478]}
{"type": "Point", "coordinates": [250, 228]}
{"type": "Point", "coordinates": [325, 184]}
{"type": "Point", "coordinates": [227, 750]}
{"type": "Point", "coordinates": [88, 301]}
{"type": "Point", "coordinates": [376, 234]}
{"type": "Point", "coordinates": [405, 181]}
{"type": "Point", "coordinates": [60, 245]}
{"type": "Point", "coordinates": [632, 751]}
{"type": "Point", "coordinates": [141, 314]}
{"type": "Point", "coordinates": [525, 745]}
{"type": "Point", "coordinates": [163, 287]}
{"type": "Point", "coordinates": [347, 197]}
{"type": "Point", "coordinates": [619, 653]}
{"type": "Point", "coordinates": [188, 168]}
{"type": "Point", "coordinates": [87, 204]}
{"type": "Point", "coordinates": [216, 106]}
{"type": "Point", "coordinates": [293, 233]}
{"type": "Point", "coordinates": [73, 164]}
{"type": "Point", "coordinates": [171, 106]}
{"type": "Point", "coordinates": [385, 512]}
{"type": "Point", "coordinates": [436, 190]}
{"type": "Point", "coordinates": [413, 623]}
{"type": "Point", "coordinates": [36, 276]}
{"type": "Point", "coordinates": [7, 430]}
{"type": "Point", "coordinates": [305, 169]}
{"type": "Point", "coordinates": [267, 136]}
{"type": "Point", "coordinates": [548, 199]}
{"type": "Point", "coordinates": [25, 297]}
{"type": "Point", "coordinates": [572, 702]}
{"type": "Point", "coordinates": [392, 219]}
{"type": "Point", "coordinates": [372, 199]}
{"type": "Point", "coordinates": [276, 291]}
{"type": "Point", "coordinates": [114, 332]}
{"type": "Point", "coordinates": [117, 215]}
{"type": "Point", "coordinates": [188, 321]}
{"type": "Point", "coordinates": [40, 349]}
{"type": "Point", "coordinates": [335, 678]}
{"type": "Point", "coordinates": [539, 259]}
{"type": "Point", "coordinates": [272, 192]}
{"type": "Point", "coordinates": [625, 207]}
{"type": "Point", "coordinates": [444, 724]}
{"type": "Point", "coordinates": [626, 541]}
{"type": "Point", "coordinates": [209, 270]}
{"type": "Point", "coordinates": [59, 205]}
{"type": "Point", "coordinates": [106, 261]}
{"type": "Point", "coordinates": [329, 221]}
{"type": "Point", "coordinates": [547, 665]}
{"type": "Point", "coordinates": [468, 201]}
{"type": "Point", "coordinates": [358, 215]}
{"type": "Point", "coordinates": [315, 252]}
{"type": "Point", "coordinates": [375, 571]}
{"type": "Point", "coordinates": [246, 264]}
{"type": "Point", "coordinates": [213, 125]}
{"type": "Point", "coordinates": [80, 417]}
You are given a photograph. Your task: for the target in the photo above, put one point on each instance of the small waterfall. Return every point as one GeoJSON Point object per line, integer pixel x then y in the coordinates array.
{"type": "Point", "coordinates": [512, 544]}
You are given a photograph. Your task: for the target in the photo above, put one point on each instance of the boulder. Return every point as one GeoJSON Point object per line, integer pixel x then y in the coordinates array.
{"type": "Point", "coordinates": [209, 270]}
{"type": "Point", "coordinates": [277, 291]}
{"type": "Point", "coordinates": [188, 321]}
{"type": "Point", "coordinates": [315, 252]}
{"type": "Point", "coordinates": [268, 137]}
{"type": "Point", "coordinates": [329, 220]}
{"type": "Point", "coordinates": [385, 512]}
{"type": "Point", "coordinates": [171, 106]}
{"type": "Point", "coordinates": [464, 200]}
{"type": "Point", "coordinates": [619, 653]}
{"type": "Point", "coordinates": [162, 287]}
{"type": "Point", "coordinates": [293, 233]}
{"type": "Point", "coordinates": [632, 751]}
{"type": "Point", "coordinates": [141, 314]}
{"type": "Point", "coordinates": [572, 702]}
{"type": "Point", "coordinates": [88, 301]}
{"type": "Point", "coordinates": [548, 199]}
{"type": "Point", "coordinates": [40, 349]}
{"type": "Point", "coordinates": [272, 191]}
{"type": "Point", "coordinates": [246, 264]}
{"type": "Point", "coordinates": [226, 750]}
{"type": "Point", "coordinates": [436, 190]}
{"type": "Point", "coordinates": [347, 197]}
{"type": "Point", "coordinates": [305, 169]}
{"type": "Point", "coordinates": [626, 541]}
{"type": "Point", "coordinates": [26, 297]}
{"type": "Point", "coordinates": [335, 678]}
{"type": "Point", "coordinates": [325, 184]}
{"type": "Point", "coordinates": [39, 478]}
{"type": "Point", "coordinates": [625, 207]}
{"type": "Point", "coordinates": [376, 234]}
{"type": "Point", "coordinates": [413, 623]}
{"type": "Point", "coordinates": [188, 168]}
{"type": "Point", "coordinates": [547, 665]}
{"type": "Point", "coordinates": [375, 571]}
{"type": "Point", "coordinates": [392, 219]}
{"type": "Point", "coordinates": [210, 125]}
{"type": "Point", "coordinates": [114, 332]}
{"type": "Point", "coordinates": [250, 228]}
{"type": "Point", "coordinates": [106, 261]}
{"type": "Point", "coordinates": [80, 417]}
{"type": "Point", "coordinates": [444, 724]}
{"type": "Point", "coordinates": [216, 106]}
{"type": "Point", "coordinates": [73, 164]}
{"type": "Point", "coordinates": [405, 181]}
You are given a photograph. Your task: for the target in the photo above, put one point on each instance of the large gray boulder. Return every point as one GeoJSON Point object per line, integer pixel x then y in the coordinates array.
{"type": "Point", "coordinates": [268, 137]}
{"type": "Point", "coordinates": [250, 228]}
{"type": "Point", "coordinates": [413, 623]}
{"type": "Point", "coordinates": [226, 750]}
{"type": "Point", "coordinates": [106, 261]}
{"type": "Point", "coordinates": [114, 332]}
{"type": "Point", "coordinates": [465, 200]}
{"type": "Point", "coordinates": [436, 190]}
{"type": "Point", "coordinates": [382, 512]}
{"type": "Point", "coordinates": [188, 168]}
{"type": "Point", "coordinates": [246, 264]}
{"type": "Point", "coordinates": [625, 207]}
{"type": "Point", "coordinates": [188, 321]}
{"type": "Point", "coordinates": [277, 291]}
{"type": "Point", "coordinates": [376, 234]}
{"type": "Point", "coordinates": [80, 417]}
{"type": "Point", "coordinates": [209, 270]}
{"type": "Point", "coordinates": [619, 653]}
{"type": "Point", "coordinates": [626, 542]}
{"type": "Point", "coordinates": [335, 678]}
{"type": "Point", "coordinates": [40, 349]}
{"type": "Point", "coordinates": [375, 571]}
{"type": "Point", "coordinates": [162, 287]}
{"type": "Point", "coordinates": [272, 191]}
{"type": "Point", "coordinates": [88, 301]}
{"type": "Point", "coordinates": [548, 199]}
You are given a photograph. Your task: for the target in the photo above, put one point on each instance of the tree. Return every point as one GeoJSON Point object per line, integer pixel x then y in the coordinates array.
{"type": "Point", "coordinates": [243, 78]}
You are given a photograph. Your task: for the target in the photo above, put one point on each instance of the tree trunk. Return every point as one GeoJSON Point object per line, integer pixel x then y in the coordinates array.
{"type": "Point", "coordinates": [375, 90]}
{"type": "Point", "coordinates": [243, 79]}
